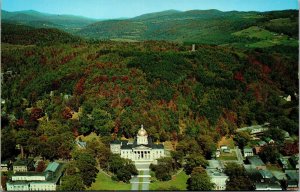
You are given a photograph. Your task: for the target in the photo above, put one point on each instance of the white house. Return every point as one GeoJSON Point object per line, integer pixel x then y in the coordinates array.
{"type": "Point", "coordinates": [248, 151]}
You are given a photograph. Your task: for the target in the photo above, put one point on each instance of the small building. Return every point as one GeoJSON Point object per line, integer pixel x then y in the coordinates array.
{"type": "Point", "coordinates": [274, 186]}
{"type": "Point", "coordinates": [256, 162]}
{"type": "Point", "coordinates": [81, 144]}
{"type": "Point", "coordinates": [255, 129]}
{"type": "Point", "coordinates": [266, 175]}
{"type": "Point", "coordinates": [292, 179]}
{"type": "Point", "coordinates": [5, 166]}
{"type": "Point", "coordinates": [218, 153]}
{"type": "Point", "coordinates": [269, 140]}
{"type": "Point", "coordinates": [262, 143]}
{"type": "Point", "coordinates": [226, 150]}
{"type": "Point", "coordinates": [36, 181]}
{"type": "Point", "coordinates": [215, 172]}
{"type": "Point", "coordinates": [223, 147]}
{"type": "Point", "coordinates": [248, 151]}
{"type": "Point", "coordinates": [23, 165]}
{"type": "Point", "coordinates": [283, 161]}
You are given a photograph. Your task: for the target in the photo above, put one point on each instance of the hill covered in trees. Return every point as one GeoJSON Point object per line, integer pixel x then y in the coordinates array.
{"type": "Point", "coordinates": [57, 86]}
{"type": "Point", "coordinates": [37, 19]}
{"type": "Point", "coordinates": [26, 35]}
{"type": "Point", "coordinates": [201, 26]}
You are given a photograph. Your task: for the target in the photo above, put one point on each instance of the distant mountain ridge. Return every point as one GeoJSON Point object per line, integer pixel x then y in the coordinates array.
{"type": "Point", "coordinates": [37, 19]}
{"type": "Point", "coordinates": [197, 26]}
{"type": "Point", "coordinates": [201, 26]}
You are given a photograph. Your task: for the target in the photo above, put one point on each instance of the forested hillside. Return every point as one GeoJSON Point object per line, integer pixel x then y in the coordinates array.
{"type": "Point", "coordinates": [25, 35]}
{"type": "Point", "coordinates": [37, 19]}
{"type": "Point", "coordinates": [201, 26]}
{"type": "Point", "coordinates": [113, 87]}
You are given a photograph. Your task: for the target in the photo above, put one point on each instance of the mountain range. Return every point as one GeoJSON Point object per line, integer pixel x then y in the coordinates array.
{"type": "Point", "coordinates": [197, 26]}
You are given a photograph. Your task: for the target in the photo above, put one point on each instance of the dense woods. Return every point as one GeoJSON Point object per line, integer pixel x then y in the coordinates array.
{"type": "Point", "coordinates": [57, 86]}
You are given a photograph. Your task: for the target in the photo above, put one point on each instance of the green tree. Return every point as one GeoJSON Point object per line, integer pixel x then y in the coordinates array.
{"type": "Point", "coordinates": [192, 161]}
{"type": "Point", "coordinates": [276, 134]}
{"type": "Point", "coordinates": [72, 183]}
{"type": "Point", "coordinates": [238, 178]}
{"type": "Point", "coordinates": [199, 180]}
{"type": "Point", "coordinates": [8, 144]}
{"type": "Point", "coordinates": [86, 164]}
{"type": "Point", "coordinates": [242, 138]}
{"type": "Point", "coordinates": [102, 121]}
{"type": "Point", "coordinates": [269, 153]}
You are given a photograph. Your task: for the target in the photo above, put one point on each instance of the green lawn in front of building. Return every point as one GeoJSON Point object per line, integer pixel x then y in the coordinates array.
{"type": "Point", "coordinates": [104, 182]}
{"type": "Point", "coordinates": [178, 182]}
{"type": "Point", "coordinates": [228, 156]}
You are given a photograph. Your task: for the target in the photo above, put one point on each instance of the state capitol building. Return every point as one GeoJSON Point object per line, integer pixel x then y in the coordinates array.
{"type": "Point", "coordinates": [142, 149]}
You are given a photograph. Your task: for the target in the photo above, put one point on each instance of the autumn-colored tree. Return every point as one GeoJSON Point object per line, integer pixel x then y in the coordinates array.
{"type": "Point", "coordinates": [36, 113]}
{"type": "Point", "coordinates": [79, 87]}
{"type": "Point", "coordinates": [290, 148]}
{"type": "Point", "coordinates": [40, 167]}
{"type": "Point", "coordinates": [67, 113]}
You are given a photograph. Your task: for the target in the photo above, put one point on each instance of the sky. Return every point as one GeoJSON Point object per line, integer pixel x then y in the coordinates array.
{"type": "Point", "coordinates": [105, 9]}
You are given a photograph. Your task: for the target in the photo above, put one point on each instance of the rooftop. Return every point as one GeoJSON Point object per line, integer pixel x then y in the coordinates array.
{"type": "Point", "coordinates": [22, 162]}
{"type": "Point", "coordinates": [248, 150]}
{"type": "Point", "coordinates": [268, 186]}
{"type": "Point", "coordinates": [255, 160]}
{"type": "Point", "coordinates": [29, 173]}
{"type": "Point", "coordinates": [266, 174]}
{"type": "Point", "coordinates": [52, 167]}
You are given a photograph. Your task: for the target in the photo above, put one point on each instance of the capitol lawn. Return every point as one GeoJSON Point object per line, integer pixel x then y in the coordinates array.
{"type": "Point", "coordinates": [178, 182]}
{"type": "Point", "coordinates": [104, 182]}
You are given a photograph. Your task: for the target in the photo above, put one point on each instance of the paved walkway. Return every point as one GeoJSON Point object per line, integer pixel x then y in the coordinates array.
{"type": "Point", "coordinates": [141, 181]}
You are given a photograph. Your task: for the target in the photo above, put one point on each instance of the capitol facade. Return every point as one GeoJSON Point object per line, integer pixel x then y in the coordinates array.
{"type": "Point", "coordinates": [142, 149]}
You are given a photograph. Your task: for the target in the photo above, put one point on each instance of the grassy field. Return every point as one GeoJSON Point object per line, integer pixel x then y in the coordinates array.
{"type": "Point", "coordinates": [103, 182]}
{"type": "Point", "coordinates": [178, 182]}
{"type": "Point", "coordinates": [227, 156]}
{"type": "Point", "coordinates": [226, 141]}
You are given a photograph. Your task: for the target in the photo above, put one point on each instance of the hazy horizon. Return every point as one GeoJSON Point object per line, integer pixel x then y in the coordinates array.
{"type": "Point", "coordinates": [101, 9]}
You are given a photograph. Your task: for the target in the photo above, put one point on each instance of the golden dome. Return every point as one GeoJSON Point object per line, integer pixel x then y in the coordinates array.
{"type": "Point", "coordinates": [142, 131]}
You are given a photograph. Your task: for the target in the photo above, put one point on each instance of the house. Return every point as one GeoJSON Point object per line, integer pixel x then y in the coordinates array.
{"type": "Point", "coordinates": [266, 175]}
{"type": "Point", "coordinates": [256, 162]}
{"type": "Point", "coordinates": [36, 181]}
{"type": "Point", "coordinates": [23, 165]}
{"type": "Point", "coordinates": [218, 153]}
{"type": "Point", "coordinates": [269, 140]}
{"type": "Point", "coordinates": [5, 166]}
{"type": "Point", "coordinates": [226, 150]}
{"type": "Point", "coordinates": [262, 143]}
{"type": "Point", "coordinates": [274, 186]}
{"type": "Point", "coordinates": [292, 179]}
{"type": "Point", "coordinates": [223, 147]}
{"type": "Point", "coordinates": [283, 161]}
{"type": "Point", "coordinates": [253, 173]}
{"type": "Point", "coordinates": [259, 145]}
{"type": "Point", "coordinates": [81, 144]}
{"type": "Point", "coordinates": [215, 172]}
{"type": "Point", "coordinates": [255, 129]}
{"type": "Point", "coordinates": [248, 151]}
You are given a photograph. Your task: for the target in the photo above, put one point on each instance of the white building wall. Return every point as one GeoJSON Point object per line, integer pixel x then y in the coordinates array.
{"type": "Point", "coordinates": [28, 178]}
{"type": "Point", "coordinates": [115, 148]}
{"type": "Point", "coordinates": [219, 181]}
